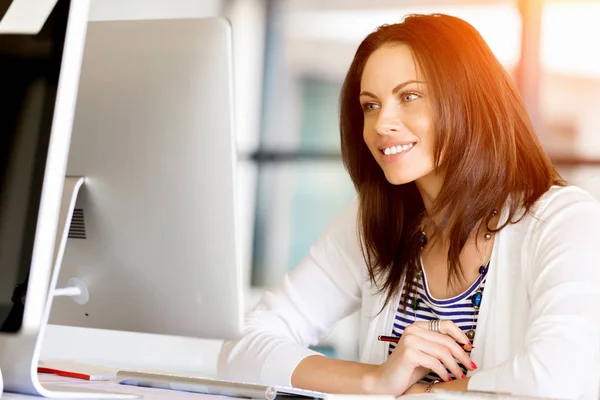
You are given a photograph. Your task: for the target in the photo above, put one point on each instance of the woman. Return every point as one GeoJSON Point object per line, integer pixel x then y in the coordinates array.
{"type": "Point", "coordinates": [457, 197]}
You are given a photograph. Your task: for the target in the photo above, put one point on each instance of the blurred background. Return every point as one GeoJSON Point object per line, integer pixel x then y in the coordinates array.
{"type": "Point", "coordinates": [292, 177]}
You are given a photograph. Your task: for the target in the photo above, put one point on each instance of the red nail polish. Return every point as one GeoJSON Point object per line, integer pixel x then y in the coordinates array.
{"type": "Point", "coordinates": [463, 376]}
{"type": "Point", "coordinates": [473, 365]}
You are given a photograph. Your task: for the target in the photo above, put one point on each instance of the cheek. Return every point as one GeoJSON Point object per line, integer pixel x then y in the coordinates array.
{"type": "Point", "coordinates": [368, 134]}
{"type": "Point", "coordinates": [422, 126]}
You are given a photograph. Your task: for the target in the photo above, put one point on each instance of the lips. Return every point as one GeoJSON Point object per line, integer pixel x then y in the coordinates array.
{"type": "Point", "coordinates": [393, 149]}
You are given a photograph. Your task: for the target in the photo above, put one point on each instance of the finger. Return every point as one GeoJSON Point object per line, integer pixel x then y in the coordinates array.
{"type": "Point", "coordinates": [446, 357]}
{"type": "Point", "coordinates": [442, 353]}
{"type": "Point", "coordinates": [447, 342]}
{"type": "Point", "coordinates": [454, 348]}
{"type": "Point", "coordinates": [431, 363]}
{"type": "Point", "coordinates": [446, 327]}
{"type": "Point", "coordinates": [451, 329]}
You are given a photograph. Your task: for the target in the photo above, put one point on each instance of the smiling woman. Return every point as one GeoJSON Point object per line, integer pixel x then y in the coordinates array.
{"type": "Point", "coordinates": [397, 118]}
{"type": "Point", "coordinates": [434, 82]}
{"type": "Point", "coordinates": [464, 244]}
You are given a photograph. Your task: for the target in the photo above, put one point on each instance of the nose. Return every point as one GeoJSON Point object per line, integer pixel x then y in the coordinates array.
{"type": "Point", "coordinates": [387, 128]}
{"type": "Point", "coordinates": [388, 123]}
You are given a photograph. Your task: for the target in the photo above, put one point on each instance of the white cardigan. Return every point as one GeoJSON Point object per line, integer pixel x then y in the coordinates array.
{"type": "Point", "coordinates": [539, 324]}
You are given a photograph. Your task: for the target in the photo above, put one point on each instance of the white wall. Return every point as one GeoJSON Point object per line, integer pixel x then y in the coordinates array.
{"type": "Point", "coordinates": [134, 350]}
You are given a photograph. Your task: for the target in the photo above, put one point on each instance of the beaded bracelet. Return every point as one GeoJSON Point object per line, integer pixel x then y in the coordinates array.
{"type": "Point", "coordinates": [430, 386]}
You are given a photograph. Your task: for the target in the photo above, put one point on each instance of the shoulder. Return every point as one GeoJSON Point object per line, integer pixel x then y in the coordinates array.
{"type": "Point", "coordinates": [565, 205]}
{"type": "Point", "coordinates": [561, 214]}
{"type": "Point", "coordinates": [564, 218]}
{"type": "Point", "coordinates": [562, 195]}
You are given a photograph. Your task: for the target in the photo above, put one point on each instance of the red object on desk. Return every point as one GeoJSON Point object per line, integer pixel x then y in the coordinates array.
{"type": "Point", "coordinates": [77, 375]}
{"type": "Point", "coordinates": [85, 373]}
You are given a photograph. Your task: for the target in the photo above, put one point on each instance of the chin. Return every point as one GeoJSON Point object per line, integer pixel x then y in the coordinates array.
{"type": "Point", "coordinates": [397, 179]}
{"type": "Point", "coordinates": [402, 176]}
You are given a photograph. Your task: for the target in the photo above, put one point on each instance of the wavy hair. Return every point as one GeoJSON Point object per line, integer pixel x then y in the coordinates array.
{"type": "Point", "coordinates": [482, 128]}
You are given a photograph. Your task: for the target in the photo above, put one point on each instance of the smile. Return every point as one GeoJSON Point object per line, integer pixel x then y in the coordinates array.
{"type": "Point", "coordinates": [397, 149]}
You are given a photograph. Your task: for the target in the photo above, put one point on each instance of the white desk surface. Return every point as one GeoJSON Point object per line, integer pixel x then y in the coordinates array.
{"type": "Point", "coordinates": [113, 386]}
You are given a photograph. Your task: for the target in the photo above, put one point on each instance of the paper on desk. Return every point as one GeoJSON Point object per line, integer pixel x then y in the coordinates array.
{"type": "Point", "coordinates": [420, 396]}
{"type": "Point", "coordinates": [479, 395]}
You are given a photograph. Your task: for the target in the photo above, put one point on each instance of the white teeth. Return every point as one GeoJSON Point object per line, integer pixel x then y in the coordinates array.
{"type": "Point", "coordinates": [397, 149]}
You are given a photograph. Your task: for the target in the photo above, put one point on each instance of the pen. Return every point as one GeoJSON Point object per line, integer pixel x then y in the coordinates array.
{"type": "Point", "coordinates": [394, 339]}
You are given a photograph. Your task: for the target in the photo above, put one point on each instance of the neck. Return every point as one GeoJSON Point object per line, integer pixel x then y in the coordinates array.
{"type": "Point", "coordinates": [429, 186]}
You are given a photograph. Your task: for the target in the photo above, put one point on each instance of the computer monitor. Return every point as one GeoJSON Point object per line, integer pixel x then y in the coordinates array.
{"type": "Point", "coordinates": [41, 47]}
{"type": "Point", "coordinates": [165, 87]}
{"type": "Point", "coordinates": [152, 243]}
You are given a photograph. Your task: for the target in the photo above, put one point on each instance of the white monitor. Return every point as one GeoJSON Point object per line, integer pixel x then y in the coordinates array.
{"type": "Point", "coordinates": [41, 47]}
{"type": "Point", "coordinates": [152, 244]}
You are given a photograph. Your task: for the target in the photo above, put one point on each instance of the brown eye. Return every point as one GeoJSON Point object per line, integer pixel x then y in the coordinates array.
{"type": "Point", "coordinates": [408, 97]}
{"type": "Point", "coordinates": [369, 107]}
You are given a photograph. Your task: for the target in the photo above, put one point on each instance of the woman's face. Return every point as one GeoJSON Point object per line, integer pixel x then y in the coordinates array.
{"type": "Point", "coordinates": [398, 123]}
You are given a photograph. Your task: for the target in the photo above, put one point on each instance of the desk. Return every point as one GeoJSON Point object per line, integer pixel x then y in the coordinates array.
{"type": "Point", "coordinates": [146, 393]}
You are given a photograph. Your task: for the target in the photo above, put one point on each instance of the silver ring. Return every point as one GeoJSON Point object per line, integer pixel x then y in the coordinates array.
{"type": "Point", "coordinates": [434, 325]}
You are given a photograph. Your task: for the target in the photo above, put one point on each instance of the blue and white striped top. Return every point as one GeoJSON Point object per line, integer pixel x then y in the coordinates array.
{"type": "Point", "coordinates": [458, 309]}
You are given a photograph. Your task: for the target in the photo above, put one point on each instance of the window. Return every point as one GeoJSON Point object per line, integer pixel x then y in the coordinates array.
{"type": "Point", "coordinates": [300, 192]}
{"type": "Point", "coordinates": [570, 89]}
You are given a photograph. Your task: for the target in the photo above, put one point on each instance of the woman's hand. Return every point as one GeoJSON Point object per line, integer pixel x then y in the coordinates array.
{"type": "Point", "coordinates": [420, 351]}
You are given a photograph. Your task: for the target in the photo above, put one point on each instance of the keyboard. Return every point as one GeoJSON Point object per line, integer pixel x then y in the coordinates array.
{"type": "Point", "coordinates": [219, 387]}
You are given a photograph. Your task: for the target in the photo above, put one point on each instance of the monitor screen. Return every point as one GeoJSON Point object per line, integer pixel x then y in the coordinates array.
{"type": "Point", "coordinates": [29, 72]}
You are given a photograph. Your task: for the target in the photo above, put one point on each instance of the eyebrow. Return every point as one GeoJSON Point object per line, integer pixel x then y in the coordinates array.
{"type": "Point", "coordinates": [395, 90]}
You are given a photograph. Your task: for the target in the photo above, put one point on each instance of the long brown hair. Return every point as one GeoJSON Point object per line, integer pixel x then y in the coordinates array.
{"type": "Point", "coordinates": [490, 150]}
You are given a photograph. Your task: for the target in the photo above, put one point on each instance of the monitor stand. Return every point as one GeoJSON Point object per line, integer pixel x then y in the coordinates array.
{"type": "Point", "coordinates": [23, 355]}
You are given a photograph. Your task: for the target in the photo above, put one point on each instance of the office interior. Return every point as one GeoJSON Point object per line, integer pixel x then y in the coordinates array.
{"type": "Point", "coordinates": [290, 57]}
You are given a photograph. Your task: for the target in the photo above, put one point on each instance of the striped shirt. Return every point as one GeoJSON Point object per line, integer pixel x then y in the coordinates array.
{"type": "Point", "coordinates": [458, 309]}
